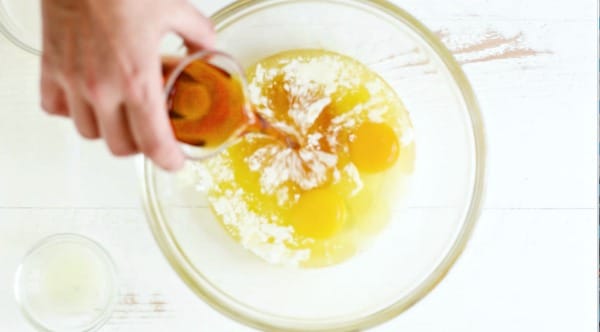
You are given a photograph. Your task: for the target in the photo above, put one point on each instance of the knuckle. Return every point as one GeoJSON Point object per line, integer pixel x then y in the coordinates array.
{"type": "Point", "coordinates": [93, 87]}
{"type": "Point", "coordinates": [69, 69]}
{"type": "Point", "coordinates": [70, 74]}
{"type": "Point", "coordinates": [135, 87]}
{"type": "Point", "coordinates": [49, 62]}
{"type": "Point", "coordinates": [60, 68]}
{"type": "Point", "coordinates": [69, 77]}
{"type": "Point", "coordinates": [99, 94]}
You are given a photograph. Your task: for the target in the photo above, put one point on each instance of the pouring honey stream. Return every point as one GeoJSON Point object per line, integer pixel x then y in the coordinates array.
{"type": "Point", "coordinates": [207, 104]}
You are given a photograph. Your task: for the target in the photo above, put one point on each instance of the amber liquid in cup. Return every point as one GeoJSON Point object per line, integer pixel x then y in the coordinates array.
{"type": "Point", "coordinates": [207, 104]}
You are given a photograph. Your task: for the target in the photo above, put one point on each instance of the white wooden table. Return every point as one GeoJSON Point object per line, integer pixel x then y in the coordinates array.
{"type": "Point", "coordinates": [530, 266]}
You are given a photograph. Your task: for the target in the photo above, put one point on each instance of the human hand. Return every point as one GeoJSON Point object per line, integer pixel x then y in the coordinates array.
{"type": "Point", "coordinates": [101, 66]}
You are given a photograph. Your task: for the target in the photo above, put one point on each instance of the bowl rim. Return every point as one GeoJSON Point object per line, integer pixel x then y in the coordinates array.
{"type": "Point", "coordinates": [254, 318]}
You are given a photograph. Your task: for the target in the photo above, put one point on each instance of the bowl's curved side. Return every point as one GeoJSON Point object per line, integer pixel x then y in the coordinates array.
{"type": "Point", "coordinates": [247, 316]}
{"type": "Point", "coordinates": [473, 210]}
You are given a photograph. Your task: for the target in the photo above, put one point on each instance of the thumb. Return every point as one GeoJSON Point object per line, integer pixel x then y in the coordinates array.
{"type": "Point", "coordinates": [196, 29]}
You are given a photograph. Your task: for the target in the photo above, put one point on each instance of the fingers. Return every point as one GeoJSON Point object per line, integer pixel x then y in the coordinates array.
{"type": "Point", "coordinates": [53, 96]}
{"type": "Point", "coordinates": [196, 29]}
{"type": "Point", "coordinates": [149, 122]}
{"type": "Point", "coordinates": [83, 116]}
{"type": "Point", "coordinates": [131, 118]}
{"type": "Point", "coordinates": [114, 126]}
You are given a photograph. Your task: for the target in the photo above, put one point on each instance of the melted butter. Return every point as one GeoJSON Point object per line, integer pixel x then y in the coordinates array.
{"type": "Point", "coordinates": [320, 203]}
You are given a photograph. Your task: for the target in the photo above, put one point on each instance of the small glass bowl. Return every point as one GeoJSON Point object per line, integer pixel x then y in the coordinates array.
{"type": "Point", "coordinates": [66, 283]}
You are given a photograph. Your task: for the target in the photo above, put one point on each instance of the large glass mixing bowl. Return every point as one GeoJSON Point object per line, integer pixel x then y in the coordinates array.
{"type": "Point", "coordinates": [430, 225]}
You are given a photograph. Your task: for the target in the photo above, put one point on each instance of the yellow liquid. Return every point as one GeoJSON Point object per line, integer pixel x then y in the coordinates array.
{"type": "Point", "coordinates": [319, 204]}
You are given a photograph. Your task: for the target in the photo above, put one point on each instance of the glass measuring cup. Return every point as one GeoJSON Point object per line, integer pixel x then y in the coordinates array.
{"type": "Point", "coordinates": [209, 107]}
{"type": "Point", "coordinates": [207, 98]}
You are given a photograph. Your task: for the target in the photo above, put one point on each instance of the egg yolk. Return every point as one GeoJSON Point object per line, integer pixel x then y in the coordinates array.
{"type": "Point", "coordinates": [375, 147]}
{"type": "Point", "coordinates": [322, 201]}
{"type": "Point", "coordinates": [319, 213]}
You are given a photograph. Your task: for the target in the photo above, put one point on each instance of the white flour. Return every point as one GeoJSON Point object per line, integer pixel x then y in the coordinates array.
{"type": "Point", "coordinates": [256, 233]}
{"type": "Point", "coordinates": [310, 83]}
{"type": "Point", "coordinates": [265, 239]}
